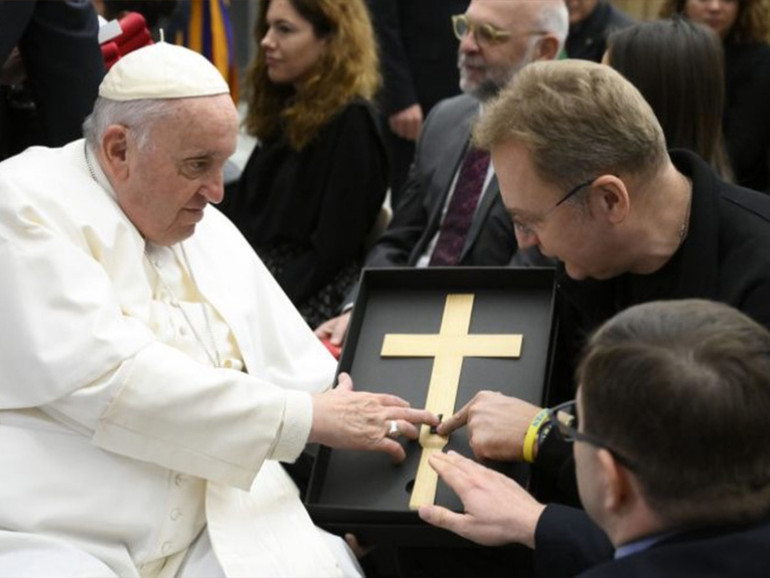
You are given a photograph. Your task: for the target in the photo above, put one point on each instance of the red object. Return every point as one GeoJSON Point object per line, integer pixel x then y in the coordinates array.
{"type": "Point", "coordinates": [129, 44]}
{"type": "Point", "coordinates": [132, 24]}
{"type": "Point", "coordinates": [135, 35]}
{"type": "Point", "coordinates": [335, 350]}
{"type": "Point", "coordinates": [110, 53]}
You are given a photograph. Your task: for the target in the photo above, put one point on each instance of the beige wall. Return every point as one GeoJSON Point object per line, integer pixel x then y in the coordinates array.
{"type": "Point", "coordinates": [639, 9]}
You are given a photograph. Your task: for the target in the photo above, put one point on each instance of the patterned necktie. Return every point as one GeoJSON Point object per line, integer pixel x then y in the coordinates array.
{"type": "Point", "coordinates": [462, 206]}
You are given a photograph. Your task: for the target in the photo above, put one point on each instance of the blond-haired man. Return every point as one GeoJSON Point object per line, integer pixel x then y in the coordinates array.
{"type": "Point", "coordinates": [585, 177]}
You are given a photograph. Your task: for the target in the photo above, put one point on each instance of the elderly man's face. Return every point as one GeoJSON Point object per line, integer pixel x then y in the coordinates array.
{"type": "Point", "coordinates": [179, 172]}
{"type": "Point", "coordinates": [486, 67]}
{"type": "Point", "coordinates": [571, 233]}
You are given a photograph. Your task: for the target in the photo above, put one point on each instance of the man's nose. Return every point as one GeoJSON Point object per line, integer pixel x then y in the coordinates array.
{"type": "Point", "coordinates": [468, 44]}
{"type": "Point", "coordinates": [214, 190]}
{"type": "Point", "coordinates": [526, 238]}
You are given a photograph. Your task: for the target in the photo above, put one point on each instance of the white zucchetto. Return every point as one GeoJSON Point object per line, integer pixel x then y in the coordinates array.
{"type": "Point", "coordinates": [160, 71]}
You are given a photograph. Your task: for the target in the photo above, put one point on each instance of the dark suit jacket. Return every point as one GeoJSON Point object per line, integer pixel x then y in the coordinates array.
{"type": "Point", "coordinates": [418, 51]}
{"type": "Point", "coordinates": [723, 258]}
{"type": "Point", "coordinates": [59, 47]}
{"type": "Point", "coordinates": [440, 150]}
{"type": "Point", "coordinates": [740, 552]}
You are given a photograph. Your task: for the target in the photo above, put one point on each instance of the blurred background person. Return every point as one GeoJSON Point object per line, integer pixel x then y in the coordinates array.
{"type": "Point", "coordinates": [419, 68]}
{"type": "Point", "coordinates": [590, 22]}
{"type": "Point", "coordinates": [51, 70]}
{"type": "Point", "coordinates": [315, 183]}
{"type": "Point", "coordinates": [743, 26]}
{"type": "Point", "coordinates": [677, 65]}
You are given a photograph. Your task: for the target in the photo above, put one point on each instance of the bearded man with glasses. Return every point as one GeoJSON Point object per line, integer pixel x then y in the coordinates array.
{"type": "Point", "coordinates": [450, 212]}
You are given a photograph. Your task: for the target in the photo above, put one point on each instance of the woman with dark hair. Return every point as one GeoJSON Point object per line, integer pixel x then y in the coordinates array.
{"type": "Point", "coordinates": [677, 65]}
{"type": "Point", "coordinates": [743, 26]}
{"type": "Point", "coordinates": [314, 185]}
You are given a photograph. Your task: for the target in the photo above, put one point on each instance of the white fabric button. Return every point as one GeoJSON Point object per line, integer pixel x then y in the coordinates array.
{"type": "Point", "coordinates": [166, 547]}
{"type": "Point", "coordinates": [176, 513]}
{"type": "Point", "coordinates": [179, 480]}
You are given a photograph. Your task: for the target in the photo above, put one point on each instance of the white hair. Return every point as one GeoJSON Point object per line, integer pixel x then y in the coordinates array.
{"type": "Point", "coordinates": [139, 116]}
{"type": "Point", "coordinates": [553, 16]}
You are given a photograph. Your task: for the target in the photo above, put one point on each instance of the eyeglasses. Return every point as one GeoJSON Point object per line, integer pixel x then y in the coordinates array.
{"type": "Point", "coordinates": [484, 34]}
{"type": "Point", "coordinates": [526, 230]}
{"type": "Point", "coordinates": [564, 415]}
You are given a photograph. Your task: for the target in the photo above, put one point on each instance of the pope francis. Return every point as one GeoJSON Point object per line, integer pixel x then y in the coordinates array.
{"type": "Point", "coordinates": [153, 373]}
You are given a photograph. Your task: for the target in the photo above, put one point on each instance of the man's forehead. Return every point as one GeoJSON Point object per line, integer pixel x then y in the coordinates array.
{"type": "Point", "coordinates": [192, 127]}
{"type": "Point", "coordinates": [520, 185]}
{"type": "Point", "coordinates": [501, 13]}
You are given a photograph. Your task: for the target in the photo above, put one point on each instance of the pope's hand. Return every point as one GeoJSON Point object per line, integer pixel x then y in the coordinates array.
{"type": "Point", "coordinates": [496, 424]}
{"type": "Point", "coordinates": [358, 420]}
{"type": "Point", "coordinates": [334, 329]}
{"type": "Point", "coordinates": [497, 510]}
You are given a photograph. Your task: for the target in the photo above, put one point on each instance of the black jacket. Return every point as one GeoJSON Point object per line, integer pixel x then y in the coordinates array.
{"type": "Point", "coordinates": [747, 113]}
{"type": "Point", "coordinates": [724, 258]}
{"type": "Point", "coordinates": [64, 65]}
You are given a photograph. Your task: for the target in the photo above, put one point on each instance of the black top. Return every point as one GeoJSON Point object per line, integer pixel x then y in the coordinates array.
{"type": "Point", "coordinates": [747, 113]}
{"type": "Point", "coordinates": [323, 199]}
{"type": "Point", "coordinates": [587, 40]}
{"type": "Point", "coordinates": [724, 258]}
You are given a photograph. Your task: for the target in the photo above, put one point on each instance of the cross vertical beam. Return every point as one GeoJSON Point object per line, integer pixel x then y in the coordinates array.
{"type": "Point", "coordinates": [448, 348]}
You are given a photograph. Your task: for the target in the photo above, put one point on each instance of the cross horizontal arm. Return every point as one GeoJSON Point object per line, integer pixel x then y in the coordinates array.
{"type": "Point", "coordinates": [406, 345]}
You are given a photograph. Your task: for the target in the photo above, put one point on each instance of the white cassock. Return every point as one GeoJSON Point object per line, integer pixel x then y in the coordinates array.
{"type": "Point", "coordinates": [119, 441]}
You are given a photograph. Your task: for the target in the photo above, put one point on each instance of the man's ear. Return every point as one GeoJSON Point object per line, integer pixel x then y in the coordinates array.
{"type": "Point", "coordinates": [618, 487]}
{"type": "Point", "coordinates": [610, 198]}
{"type": "Point", "coordinates": [115, 152]}
{"type": "Point", "coordinates": [547, 48]}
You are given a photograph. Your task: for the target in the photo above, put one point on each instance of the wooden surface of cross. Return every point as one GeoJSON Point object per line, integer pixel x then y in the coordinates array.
{"type": "Point", "coordinates": [448, 348]}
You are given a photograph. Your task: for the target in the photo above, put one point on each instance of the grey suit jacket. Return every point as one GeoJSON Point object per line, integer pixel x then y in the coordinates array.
{"type": "Point", "coordinates": [440, 150]}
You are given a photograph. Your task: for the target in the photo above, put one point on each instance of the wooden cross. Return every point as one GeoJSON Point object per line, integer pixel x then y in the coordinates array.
{"type": "Point", "coordinates": [448, 348]}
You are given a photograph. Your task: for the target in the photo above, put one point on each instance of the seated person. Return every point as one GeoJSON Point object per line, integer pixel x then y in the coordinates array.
{"type": "Point", "coordinates": [671, 455]}
{"type": "Point", "coordinates": [432, 225]}
{"type": "Point", "coordinates": [677, 65]}
{"type": "Point", "coordinates": [155, 375]}
{"type": "Point", "coordinates": [315, 183]}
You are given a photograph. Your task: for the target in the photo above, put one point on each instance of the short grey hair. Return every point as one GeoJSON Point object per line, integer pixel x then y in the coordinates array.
{"type": "Point", "coordinates": [553, 17]}
{"type": "Point", "coordinates": [140, 116]}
